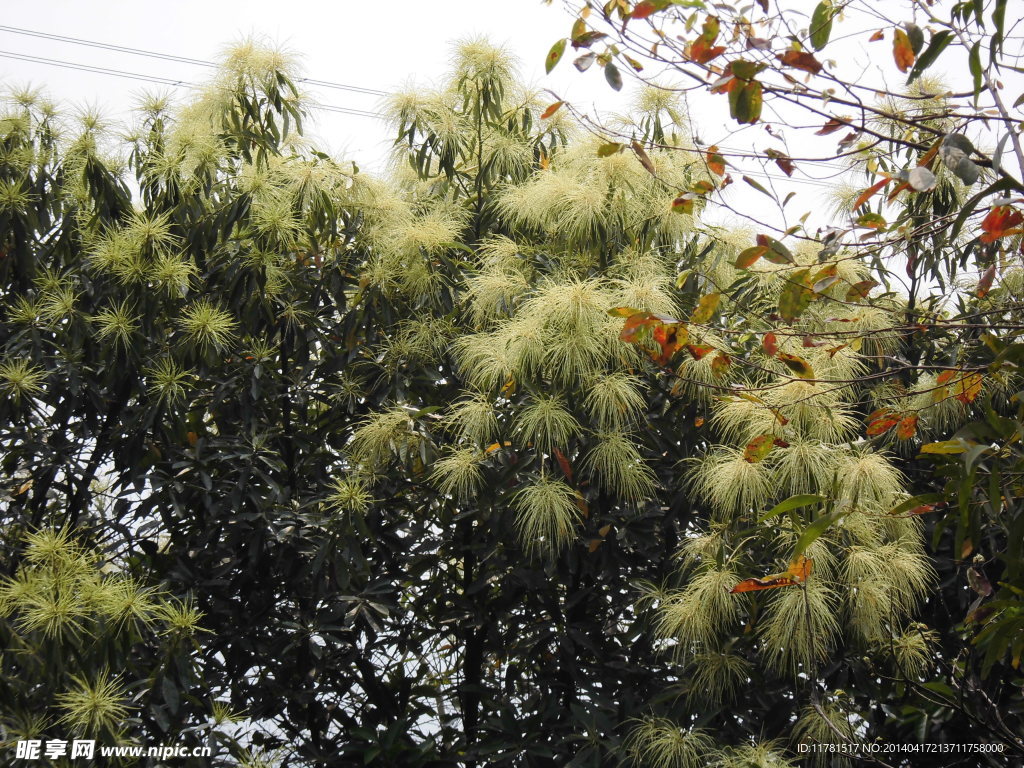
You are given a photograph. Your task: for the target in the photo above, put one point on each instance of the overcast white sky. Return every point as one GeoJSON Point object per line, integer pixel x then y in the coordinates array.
{"type": "Point", "coordinates": [372, 45]}
{"type": "Point", "coordinates": [378, 46]}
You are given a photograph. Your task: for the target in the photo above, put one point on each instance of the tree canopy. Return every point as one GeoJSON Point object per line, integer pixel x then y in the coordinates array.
{"type": "Point", "coordinates": [508, 457]}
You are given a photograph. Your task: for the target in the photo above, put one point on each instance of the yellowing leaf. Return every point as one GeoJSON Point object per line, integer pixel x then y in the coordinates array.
{"type": "Point", "coordinates": [643, 157]}
{"type": "Point", "coordinates": [716, 163]}
{"type": "Point", "coordinates": [860, 290]}
{"type": "Point", "coordinates": [797, 365]}
{"type": "Point", "coordinates": [720, 364]}
{"type": "Point", "coordinates": [554, 56]}
{"type": "Point", "coordinates": [749, 257]}
{"type": "Point", "coordinates": [758, 448]}
{"type": "Point", "coordinates": [902, 51]}
{"type": "Point", "coordinates": [944, 447]}
{"type": "Point", "coordinates": [705, 308]}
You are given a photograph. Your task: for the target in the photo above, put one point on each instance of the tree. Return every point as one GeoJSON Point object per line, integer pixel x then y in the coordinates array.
{"type": "Point", "coordinates": [927, 364]}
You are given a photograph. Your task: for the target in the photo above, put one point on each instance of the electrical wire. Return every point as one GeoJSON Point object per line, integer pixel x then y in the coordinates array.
{"type": "Point", "coordinates": [172, 57]}
{"type": "Point", "coordinates": [78, 66]}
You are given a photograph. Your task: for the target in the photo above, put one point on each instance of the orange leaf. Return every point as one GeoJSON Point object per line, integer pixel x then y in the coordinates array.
{"type": "Point", "coordinates": [797, 573]}
{"type": "Point", "coordinates": [881, 421]}
{"type": "Point", "coordinates": [985, 284]}
{"type": "Point", "coordinates": [551, 110]}
{"type": "Point", "coordinates": [701, 52]}
{"type": "Point", "coordinates": [945, 377]}
{"type": "Point", "coordinates": [879, 35]}
{"type": "Point", "coordinates": [800, 60]}
{"type": "Point", "coordinates": [770, 344]}
{"type": "Point", "coordinates": [716, 163]}
{"type": "Point", "coordinates": [1000, 222]}
{"type": "Point", "coordinates": [699, 421]}
{"type": "Point", "coordinates": [870, 192]}
{"type": "Point", "coordinates": [902, 50]}
{"type": "Point", "coordinates": [698, 351]}
{"type": "Point", "coordinates": [907, 427]}
{"type": "Point", "coordinates": [758, 448]}
{"type": "Point", "coordinates": [748, 257]}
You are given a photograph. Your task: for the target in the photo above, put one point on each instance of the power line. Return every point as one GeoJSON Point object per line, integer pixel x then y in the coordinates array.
{"type": "Point", "coordinates": [326, 107]}
{"type": "Point", "coordinates": [158, 80]}
{"type": "Point", "coordinates": [172, 57]}
{"type": "Point", "coordinates": [91, 68]}
{"type": "Point", "coordinates": [209, 64]}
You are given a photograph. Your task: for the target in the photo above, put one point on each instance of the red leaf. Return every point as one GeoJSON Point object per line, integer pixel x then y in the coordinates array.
{"type": "Point", "coordinates": [881, 421]}
{"type": "Point", "coordinates": [564, 464]}
{"type": "Point", "coordinates": [698, 351]}
{"type": "Point", "coordinates": [783, 161]}
{"type": "Point", "coordinates": [831, 126]}
{"type": "Point", "coordinates": [860, 290]}
{"type": "Point", "coordinates": [770, 344]}
{"type": "Point", "coordinates": [879, 35]}
{"type": "Point", "coordinates": [800, 60]}
{"type": "Point", "coordinates": [643, 9]}
{"type": "Point", "coordinates": [797, 573]}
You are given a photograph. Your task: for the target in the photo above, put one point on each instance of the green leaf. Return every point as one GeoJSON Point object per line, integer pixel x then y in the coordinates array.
{"type": "Point", "coordinates": [796, 295]}
{"type": "Point", "coordinates": [814, 530]}
{"type": "Point", "coordinates": [793, 502]}
{"type": "Point", "coordinates": [748, 102]}
{"type": "Point", "coordinates": [821, 24]}
{"type": "Point", "coordinates": [936, 46]}
{"type": "Point", "coordinates": [609, 149]}
{"type": "Point", "coordinates": [554, 55]}
{"type": "Point", "coordinates": [916, 501]}
{"type": "Point", "coordinates": [758, 187]}
{"type": "Point", "coordinates": [974, 64]}
{"type": "Point", "coordinates": [613, 76]}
